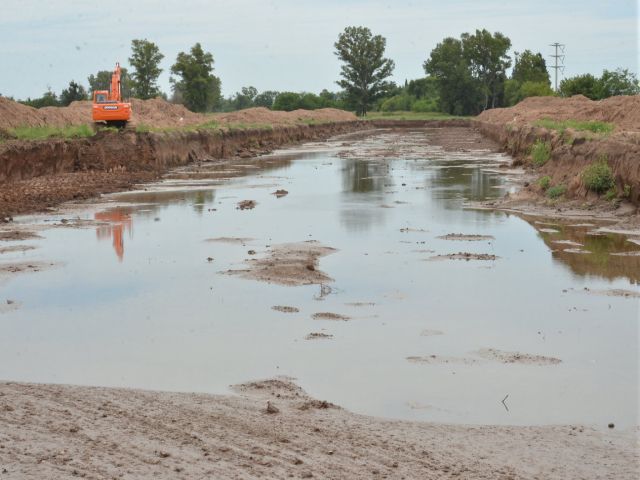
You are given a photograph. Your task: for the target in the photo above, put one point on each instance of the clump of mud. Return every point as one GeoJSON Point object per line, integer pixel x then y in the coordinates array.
{"type": "Point", "coordinates": [239, 240]}
{"type": "Point", "coordinates": [16, 248]}
{"type": "Point", "coordinates": [465, 237]}
{"type": "Point", "coordinates": [516, 357]}
{"type": "Point", "coordinates": [318, 336]}
{"type": "Point", "coordinates": [465, 256]}
{"type": "Point", "coordinates": [246, 205]}
{"type": "Point", "coordinates": [329, 316]}
{"type": "Point", "coordinates": [288, 264]}
{"type": "Point", "coordinates": [615, 292]}
{"type": "Point", "coordinates": [285, 309]}
{"type": "Point", "coordinates": [280, 193]}
{"type": "Point", "coordinates": [441, 360]}
{"type": "Point", "coordinates": [16, 235]}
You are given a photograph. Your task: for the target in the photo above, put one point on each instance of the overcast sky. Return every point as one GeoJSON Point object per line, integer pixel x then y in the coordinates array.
{"type": "Point", "coordinates": [288, 44]}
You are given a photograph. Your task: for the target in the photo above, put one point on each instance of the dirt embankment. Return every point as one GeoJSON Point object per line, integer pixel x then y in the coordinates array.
{"type": "Point", "coordinates": [273, 429]}
{"type": "Point", "coordinates": [158, 113]}
{"type": "Point", "coordinates": [572, 150]}
{"type": "Point", "coordinates": [40, 174]}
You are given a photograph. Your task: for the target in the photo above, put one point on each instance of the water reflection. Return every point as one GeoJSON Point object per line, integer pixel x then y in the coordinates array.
{"type": "Point", "coordinates": [118, 221]}
{"type": "Point", "coordinates": [461, 181]}
{"type": "Point", "coordinates": [588, 252]}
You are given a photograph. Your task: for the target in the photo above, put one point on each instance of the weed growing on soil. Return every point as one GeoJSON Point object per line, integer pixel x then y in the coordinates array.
{"type": "Point", "coordinates": [611, 194]}
{"type": "Point", "coordinates": [598, 177]}
{"type": "Point", "coordinates": [544, 182]}
{"type": "Point", "coordinates": [40, 133]}
{"type": "Point", "coordinates": [626, 193]}
{"type": "Point", "coordinates": [540, 153]}
{"type": "Point", "coordinates": [557, 191]}
{"type": "Point", "coordinates": [593, 126]}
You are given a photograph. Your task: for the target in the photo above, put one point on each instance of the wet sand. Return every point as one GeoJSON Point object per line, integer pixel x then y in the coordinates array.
{"type": "Point", "coordinates": [272, 430]}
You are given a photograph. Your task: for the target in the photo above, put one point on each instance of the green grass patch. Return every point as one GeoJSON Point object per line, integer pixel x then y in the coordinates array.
{"type": "Point", "coordinates": [540, 153]}
{"type": "Point", "coordinates": [409, 116]}
{"type": "Point", "coordinates": [40, 133]}
{"type": "Point", "coordinates": [593, 126]}
{"type": "Point", "coordinates": [544, 182]}
{"type": "Point", "coordinates": [557, 191]}
{"type": "Point", "coordinates": [598, 176]}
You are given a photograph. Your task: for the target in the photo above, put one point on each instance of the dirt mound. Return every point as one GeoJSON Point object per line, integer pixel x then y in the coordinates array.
{"type": "Point", "coordinates": [264, 115]}
{"type": "Point", "coordinates": [158, 113]}
{"type": "Point", "coordinates": [622, 111]}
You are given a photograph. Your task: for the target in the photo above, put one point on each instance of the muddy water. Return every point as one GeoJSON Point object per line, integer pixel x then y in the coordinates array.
{"type": "Point", "coordinates": [141, 298]}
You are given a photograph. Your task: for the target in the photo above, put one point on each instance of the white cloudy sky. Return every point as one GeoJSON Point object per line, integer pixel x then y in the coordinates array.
{"type": "Point", "coordinates": [288, 44]}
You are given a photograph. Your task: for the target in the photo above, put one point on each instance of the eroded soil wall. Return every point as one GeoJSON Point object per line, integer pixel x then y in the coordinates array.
{"type": "Point", "coordinates": [570, 156]}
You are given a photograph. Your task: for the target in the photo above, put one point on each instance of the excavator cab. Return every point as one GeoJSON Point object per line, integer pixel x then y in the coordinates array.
{"type": "Point", "coordinates": [108, 107]}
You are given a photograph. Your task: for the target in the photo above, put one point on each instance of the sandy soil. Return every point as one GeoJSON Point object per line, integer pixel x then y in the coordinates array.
{"type": "Point", "coordinates": [465, 237]}
{"type": "Point", "coordinates": [330, 316]}
{"type": "Point", "coordinates": [516, 357]}
{"type": "Point", "coordinates": [159, 113]}
{"type": "Point", "coordinates": [288, 264]}
{"type": "Point", "coordinates": [273, 430]}
{"type": "Point", "coordinates": [464, 256]}
{"type": "Point", "coordinates": [285, 309]}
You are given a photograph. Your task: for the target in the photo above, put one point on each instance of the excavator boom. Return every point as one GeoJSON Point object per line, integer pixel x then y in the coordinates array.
{"type": "Point", "coordinates": [108, 106]}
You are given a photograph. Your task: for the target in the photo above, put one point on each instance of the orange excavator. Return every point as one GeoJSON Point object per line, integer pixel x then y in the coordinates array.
{"type": "Point", "coordinates": [108, 106]}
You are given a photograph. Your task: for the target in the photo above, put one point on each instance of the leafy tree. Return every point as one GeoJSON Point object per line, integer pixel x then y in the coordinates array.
{"type": "Point", "coordinates": [265, 99]}
{"type": "Point", "coordinates": [459, 92]}
{"type": "Point", "coordinates": [145, 59]}
{"type": "Point", "coordinates": [586, 85]}
{"type": "Point", "coordinates": [287, 101]}
{"type": "Point", "coordinates": [48, 99]}
{"type": "Point", "coordinates": [102, 81]}
{"type": "Point", "coordinates": [398, 103]}
{"type": "Point", "coordinates": [618, 82]}
{"type": "Point", "coordinates": [197, 85]}
{"type": "Point", "coordinates": [515, 91]}
{"type": "Point", "coordinates": [530, 67]}
{"type": "Point", "coordinates": [73, 93]}
{"type": "Point", "coordinates": [244, 98]}
{"type": "Point", "coordinates": [365, 67]}
{"type": "Point", "coordinates": [487, 58]}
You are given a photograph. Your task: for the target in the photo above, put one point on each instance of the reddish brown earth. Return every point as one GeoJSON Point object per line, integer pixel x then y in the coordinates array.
{"type": "Point", "coordinates": [516, 131]}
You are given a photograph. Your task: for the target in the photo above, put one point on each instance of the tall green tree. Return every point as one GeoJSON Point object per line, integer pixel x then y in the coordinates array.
{"type": "Point", "coordinates": [365, 67]}
{"type": "Point", "coordinates": [74, 92]}
{"type": "Point", "coordinates": [196, 84]}
{"type": "Point", "coordinates": [586, 85]}
{"type": "Point", "coordinates": [265, 99]}
{"type": "Point", "coordinates": [460, 93]}
{"type": "Point", "coordinates": [486, 54]}
{"type": "Point", "coordinates": [618, 82]}
{"type": "Point", "coordinates": [530, 67]}
{"type": "Point", "coordinates": [102, 81]}
{"type": "Point", "coordinates": [145, 59]}
{"type": "Point", "coordinates": [48, 99]}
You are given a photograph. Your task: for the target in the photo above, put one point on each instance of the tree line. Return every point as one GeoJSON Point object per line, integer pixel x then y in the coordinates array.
{"type": "Point", "coordinates": [463, 76]}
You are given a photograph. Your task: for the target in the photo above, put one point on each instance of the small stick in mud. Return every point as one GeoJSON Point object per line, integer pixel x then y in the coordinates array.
{"type": "Point", "coordinates": [503, 401]}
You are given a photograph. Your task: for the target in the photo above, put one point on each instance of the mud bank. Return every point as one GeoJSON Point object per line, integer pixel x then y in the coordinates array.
{"type": "Point", "coordinates": [35, 175]}
{"type": "Point", "coordinates": [273, 429]}
{"type": "Point", "coordinates": [569, 156]}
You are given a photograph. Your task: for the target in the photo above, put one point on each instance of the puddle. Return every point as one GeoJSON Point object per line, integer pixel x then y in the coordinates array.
{"type": "Point", "coordinates": [140, 298]}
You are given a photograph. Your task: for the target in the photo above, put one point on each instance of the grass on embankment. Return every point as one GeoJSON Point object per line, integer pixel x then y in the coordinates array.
{"type": "Point", "coordinates": [410, 116]}
{"type": "Point", "coordinates": [593, 126]}
{"type": "Point", "coordinates": [42, 133]}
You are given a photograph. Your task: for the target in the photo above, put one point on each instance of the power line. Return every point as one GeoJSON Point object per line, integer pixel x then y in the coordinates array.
{"type": "Point", "coordinates": [558, 57]}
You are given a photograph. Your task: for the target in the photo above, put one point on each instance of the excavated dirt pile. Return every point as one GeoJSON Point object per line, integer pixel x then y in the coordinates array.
{"type": "Point", "coordinates": [158, 113]}
{"type": "Point", "coordinates": [571, 151]}
{"type": "Point", "coordinates": [622, 111]}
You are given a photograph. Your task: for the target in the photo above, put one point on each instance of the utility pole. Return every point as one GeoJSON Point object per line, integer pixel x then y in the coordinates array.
{"type": "Point", "coordinates": [558, 57]}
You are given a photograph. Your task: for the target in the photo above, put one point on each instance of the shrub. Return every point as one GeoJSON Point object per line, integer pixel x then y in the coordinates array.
{"type": "Point", "coordinates": [557, 191]}
{"type": "Point", "coordinates": [598, 177]}
{"type": "Point", "coordinates": [611, 194]}
{"type": "Point", "coordinates": [594, 126]}
{"type": "Point", "coordinates": [545, 182]}
{"type": "Point", "coordinates": [540, 153]}
{"type": "Point", "coordinates": [626, 193]}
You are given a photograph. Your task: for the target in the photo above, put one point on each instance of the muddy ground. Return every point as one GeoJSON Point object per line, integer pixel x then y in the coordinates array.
{"type": "Point", "coordinates": [273, 430]}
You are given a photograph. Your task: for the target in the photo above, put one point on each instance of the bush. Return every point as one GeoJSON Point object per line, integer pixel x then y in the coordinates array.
{"type": "Point", "coordinates": [598, 177]}
{"type": "Point", "coordinates": [398, 103]}
{"type": "Point", "coordinates": [557, 191]}
{"type": "Point", "coordinates": [425, 105]}
{"type": "Point", "coordinates": [545, 182]}
{"type": "Point", "coordinates": [540, 153]}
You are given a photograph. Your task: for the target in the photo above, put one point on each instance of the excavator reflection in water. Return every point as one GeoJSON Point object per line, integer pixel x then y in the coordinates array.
{"type": "Point", "coordinates": [117, 221]}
